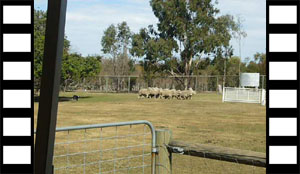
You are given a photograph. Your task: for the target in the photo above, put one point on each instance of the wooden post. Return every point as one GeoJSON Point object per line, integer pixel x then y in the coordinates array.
{"type": "Point", "coordinates": [163, 159]}
{"type": "Point", "coordinates": [100, 84]}
{"type": "Point", "coordinates": [118, 84]}
{"type": "Point", "coordinates": [106, 84]}
{"type": "Point", "coordinates": [196, 84]}
{"type": "Point", "coordinates": [129, 84]}
{"type": "Point", "coordinates": [263, 82]}
{"type": "Point", "coordinates": [217, 84]}
{"type": "Point", "coordinates": [223, 92]}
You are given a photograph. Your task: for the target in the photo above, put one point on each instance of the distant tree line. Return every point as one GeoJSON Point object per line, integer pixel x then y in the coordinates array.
{"type": "Point", "coordinates": [191, 38]}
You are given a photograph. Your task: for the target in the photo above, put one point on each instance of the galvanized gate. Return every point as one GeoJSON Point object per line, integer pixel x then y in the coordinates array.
{"type": "Point", "coordinates": [125, 147]}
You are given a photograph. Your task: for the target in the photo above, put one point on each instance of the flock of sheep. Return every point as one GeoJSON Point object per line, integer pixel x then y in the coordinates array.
{"type": "Point", "coordinates": [166, 93]}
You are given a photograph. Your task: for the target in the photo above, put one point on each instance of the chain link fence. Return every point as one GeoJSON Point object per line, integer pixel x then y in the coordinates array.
{"type": "Point", "coordinates": [135, 83]}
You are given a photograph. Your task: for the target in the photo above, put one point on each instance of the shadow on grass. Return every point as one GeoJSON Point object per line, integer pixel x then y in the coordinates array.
{"type": "Point", "coordinates": [62, 99]}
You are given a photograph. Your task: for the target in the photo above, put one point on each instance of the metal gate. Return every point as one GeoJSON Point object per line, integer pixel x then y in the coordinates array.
{"type": "Point", "coordinates": [125, 147]}
{"type": "Point", "coordinates": [245, 95]}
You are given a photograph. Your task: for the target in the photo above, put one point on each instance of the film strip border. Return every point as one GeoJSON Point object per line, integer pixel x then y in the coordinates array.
{"type": "Point", "coordinates": [283, 86]}
{"type": "Point", "coordinates": [16, 73]}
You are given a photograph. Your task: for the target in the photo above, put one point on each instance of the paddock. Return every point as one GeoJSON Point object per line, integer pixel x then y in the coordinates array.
{"type": "Point", "coordinates": [203, 120]}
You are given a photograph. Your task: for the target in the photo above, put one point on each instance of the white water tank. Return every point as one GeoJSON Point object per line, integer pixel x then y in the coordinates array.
{"type": "Point", "coordinates": [249, 80]}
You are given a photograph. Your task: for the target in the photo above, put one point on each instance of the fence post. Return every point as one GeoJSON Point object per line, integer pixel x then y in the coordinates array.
{"type": "Point", "coordinates": [196, 84]}
{"type": "Point", "coordinates": [106, 84]}
{"type": "Point", "coordinates": [217, 84]}
{"type": "Point", "coordinates": [118, 84]}
{"type": "Point", "coordinates": [223, 97]}
{"type": "Point", "coordinates": [163, 159]}
{"type": "Point", "coordinates": [100, 83]}
{"type": "Point", "coordinates": [129, 84]}
{"type": "Point", "coordinates": [263, 82]}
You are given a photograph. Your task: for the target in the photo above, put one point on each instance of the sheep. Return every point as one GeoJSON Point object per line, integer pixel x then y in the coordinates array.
{"type": "Point", "coordinates": [187, 94]}
{"type": "Point", "coordinates": [160, 92]}
{"type": "Point", "coordinates": [154, 92]}
{"type": "Point", "coordinates": [150, 89]}
{"type": "Point", "coordinates": [166, 93]}
{"type": "Point", "coordinates": [178, 93]}
{"type": "Point", "coordinates": [191, 93]}
{"type": "Point", "coordinates": [183, 95]}
{"type": "Point", "coordinates": [174, 93]}
{"type": "Point", "coordinates": [143, 93]}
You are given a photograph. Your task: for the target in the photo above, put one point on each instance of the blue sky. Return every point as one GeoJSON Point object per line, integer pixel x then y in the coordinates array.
{"type": "Point", "coordinates": [87, 20]}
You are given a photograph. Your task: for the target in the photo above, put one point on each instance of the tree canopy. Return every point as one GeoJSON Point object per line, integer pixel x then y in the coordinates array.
{"type": "Point", "coordinates": [115, 43]}
{"type": "Point", "coordinates": [196, 28]}
{"type": "Point", "coordinates": [153, 49]}
{"type": "Point", "coordinates": [74, 66]}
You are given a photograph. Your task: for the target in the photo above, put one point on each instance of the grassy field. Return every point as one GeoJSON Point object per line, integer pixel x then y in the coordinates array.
{"type": "Point", "coordinates": [204, 119]}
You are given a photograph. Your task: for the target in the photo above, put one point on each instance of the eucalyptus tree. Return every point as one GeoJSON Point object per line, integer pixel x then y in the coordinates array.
{"type": "Point", "coordinates": [239, 35]}
{"type": "Point", "coordinates": [115, 42]}
{"type": "Point", "coordinates": [195, 26]}
{"type": "Point", "coordinates": [153, 50]}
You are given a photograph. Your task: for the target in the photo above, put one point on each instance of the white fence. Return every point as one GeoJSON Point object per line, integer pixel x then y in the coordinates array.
{"type": "Point", "coordinates": [244, 95]}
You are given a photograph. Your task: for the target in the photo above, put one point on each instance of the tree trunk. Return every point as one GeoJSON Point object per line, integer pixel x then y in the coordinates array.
{"type": "Point", "coordinates": [224, 77]}
{"type": "Point", "coordinates": [66, 85]}
{"type": "Point", "coordinates": [186, 73]}
{"type": "Point", "coordinates": [188, 65]}
{"type": "Point", "coordinates": [114, 64]}
{"type": "Point", "coordinates": [185, 82]}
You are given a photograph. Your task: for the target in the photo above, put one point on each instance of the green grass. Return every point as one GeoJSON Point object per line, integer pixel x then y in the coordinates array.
{"type": "Point", "coordinates": [204, 119]}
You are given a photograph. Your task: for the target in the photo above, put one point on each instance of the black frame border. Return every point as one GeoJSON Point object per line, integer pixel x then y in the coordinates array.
{"type": "Point", "coordinates": [17, 84]}
{"type": "Point", "coordinates": [283, 85]}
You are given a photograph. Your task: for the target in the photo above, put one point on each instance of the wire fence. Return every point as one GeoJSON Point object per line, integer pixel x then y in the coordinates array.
{"type": "Point", "coordinates": [105, 148]}
{"type": "Point", "coordinates": [135, 83]}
